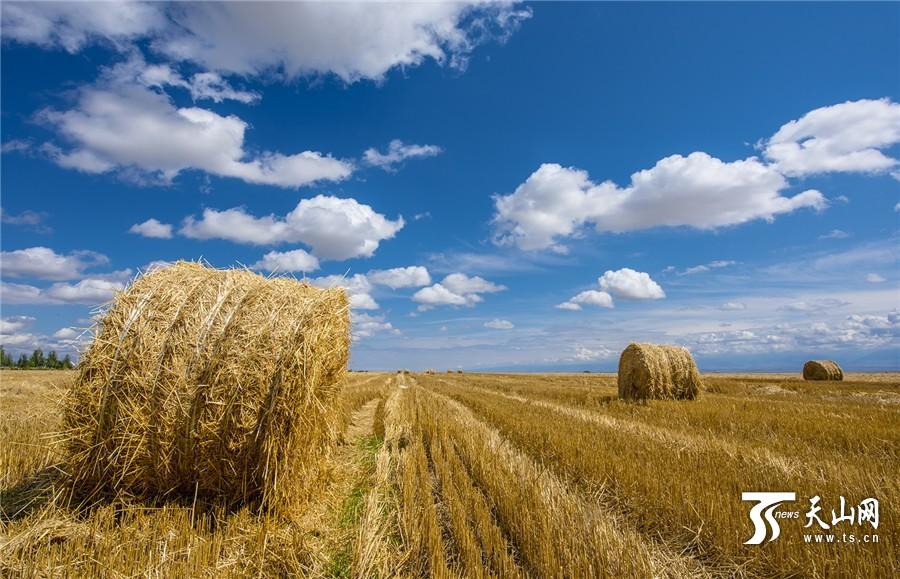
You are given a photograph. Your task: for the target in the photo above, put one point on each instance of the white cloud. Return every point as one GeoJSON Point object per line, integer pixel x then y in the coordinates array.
{"type": "Point", "coordinates": [854, 331]}
{"type": "Point", "coordinates": [733, 306]}
{"type": "Point", "coordinates": [835, 234]}
{"type": "Point", "coordinates": [201, 86]}
{"type": "Point", "coordinates": [287, 261]}
{"type": "Point", "coordinates": [897, 207]}
{"type": "Point", "coordinates": [457, 289]}
{"type": "Point", "coordinates": [462, 284]}
{"type": "Point", "coordinates": [352, 40]}
{"type": "Point", "coordinates": [845, 137]}
{"type": "Point", "coordinates": [364, 325]}
{"type": "Point", "coordinates": [86, 291]}
{"type": "Point", "coordinates": [334, 228]}
{"type": "Point", "coordinates": [152, 228]}
{"type": "Point", "coordinates": [629, 284]}
{"type": "Point", "coordinates": [12, 324]}
{"type": "Point", "coordinates": [90, 291]}
{"type": "Point", "coordinates": [400, 277]}
{"type": "Point", "coordinates": [438, 295]}
{"type": "Point", "coordinates": [44, 263]}
{"type": "Point", "coordinates": [811, 306]}
{"type": "Point", "coordinates": [72, 25]}
{"type": "Point", "coordinates": [67, 333]}
{"type": "Point", "coordinates": [119, 124]}
{"type": "Point", "coordinates": [584, 354]}
{"type": "Point", "coordinates": [697, 191]}
{"type": "Point", "coordinates": [357, 286]}
{"type": "Point", "coordinates": [498, 324]}
{"type": "Point", "coordinates": [706, 267]}
{"type": "Point", "coordinates": [875, 278]}
{"type": "Point", "coordinates": [12, 334]}
{"type": "Point", "coordinates": [397, 153]}
{"type": "Point", "coordinates": [33, 220]}
{"type": "Point", "coordinates": [209, 85]}
{"type": "Point", "coordinates": [589, 297]}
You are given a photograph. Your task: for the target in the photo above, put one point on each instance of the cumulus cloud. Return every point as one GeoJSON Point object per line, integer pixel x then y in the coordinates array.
{"type": "Point", "coordinates": [67, 333]}
{"type": "Point", "coordinates": [696, 191]}
{"type": "Point", "coordinates": [44, 263]}
{"type": "Point", "coordinates": [364, 325]}
{"type": "Point", "coordinates": [72, 25]}
{"type": "Point", "coordinates": [287, 261]}
{"type": "Point", "coordinates": [12, 331]}
{"type": "Point", "coordinates": [462, 284]}
{"type": "Point", "coordinates": [398, 152]}
{"type": "Point", "coordinates": [498, 324]}
{"type": "Point", "coordinates": [90, 291]}
{"type": "Point", "coordinates": [333, 227]}
{"type": "Point", "coordinates": [589, 297]}
{"type": "Point", "coordinates": [457, 289]}
{"type": "Point", "coordinates": [117, 123]}
{"type": "Point", "coordinates": [352, 40]}
{"type": "Point", "coordinates": [850, 136]}
{"type": "Point", "coordinates": [438, 295]}
{"type": "Point", "coordinates": [357, 287]}
{"type": "Point", "coordinates": [629, 284]}
{"type": "Point", "coordinates": [875, 278]}
{"type": "Point", "coordinates": [624, 283]}
{"type": "Point", "coordinates": [12, 324]}
{"type": "Point", "coordinates": [400, 277]}
{"type": "Point", "coordinates": [152, 228]}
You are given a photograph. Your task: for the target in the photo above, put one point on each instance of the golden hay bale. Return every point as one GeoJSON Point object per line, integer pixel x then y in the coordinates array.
{"type": "Point", "coordinates": [209, 382]}
{"type": "Point", "coordinates": [822, 370]}
{"type": "Point", "coordinates": [658, 371]}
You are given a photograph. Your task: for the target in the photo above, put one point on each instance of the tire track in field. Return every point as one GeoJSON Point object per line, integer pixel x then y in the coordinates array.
{"type": "Point", "coordinates": [677, 441]}
{"type": "Point", "coordinates": [666, 560]}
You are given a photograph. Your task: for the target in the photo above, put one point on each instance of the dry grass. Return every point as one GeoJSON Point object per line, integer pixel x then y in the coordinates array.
{"type": "Point", "coordinates": [481, 475]}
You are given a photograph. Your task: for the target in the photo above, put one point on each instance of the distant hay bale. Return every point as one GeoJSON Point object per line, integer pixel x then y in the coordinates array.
{"type": "Point", "coordinates": [431, 371]}
{"type": "Point", "coordinates": [651, 371]}
{"type": "Point", "coordinates": [822, 370]}
{"type": "Point", "coordinates": [218, 383]}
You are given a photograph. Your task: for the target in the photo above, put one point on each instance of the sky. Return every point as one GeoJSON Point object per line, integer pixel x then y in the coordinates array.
{"type": "Point", "coordinates": [499, 186]}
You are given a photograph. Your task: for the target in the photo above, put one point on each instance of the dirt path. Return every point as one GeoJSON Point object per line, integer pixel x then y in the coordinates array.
{"type": "Point", "coordinates": [354, 463]}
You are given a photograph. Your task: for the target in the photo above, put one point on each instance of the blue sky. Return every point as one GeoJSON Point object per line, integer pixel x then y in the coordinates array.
{"type": "Point", "coordinates": [555, 180]}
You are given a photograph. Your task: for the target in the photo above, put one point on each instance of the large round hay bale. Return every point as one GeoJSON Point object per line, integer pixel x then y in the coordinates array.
{"type": "Point", "coordinates": [822, 370]}
{"type": "Point", "coordinates": [659, 372]}
{"type": "Point", "coordinates": [217, 383]}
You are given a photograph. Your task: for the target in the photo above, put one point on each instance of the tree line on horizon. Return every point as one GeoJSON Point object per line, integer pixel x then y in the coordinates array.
{"type": "Point", "coordinates": [37, 359]}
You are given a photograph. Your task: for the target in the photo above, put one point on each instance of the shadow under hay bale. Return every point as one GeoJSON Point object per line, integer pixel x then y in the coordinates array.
{"type": "Point", "coordinates": [651, 371]}
{"type": "Point", "coordinates": [211, 383]}
{"type": "Point", "coordinates": [822, 370]}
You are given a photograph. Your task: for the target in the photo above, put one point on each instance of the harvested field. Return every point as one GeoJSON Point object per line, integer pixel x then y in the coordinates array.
{"type": "Point", "coordinates": [500, 475]}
